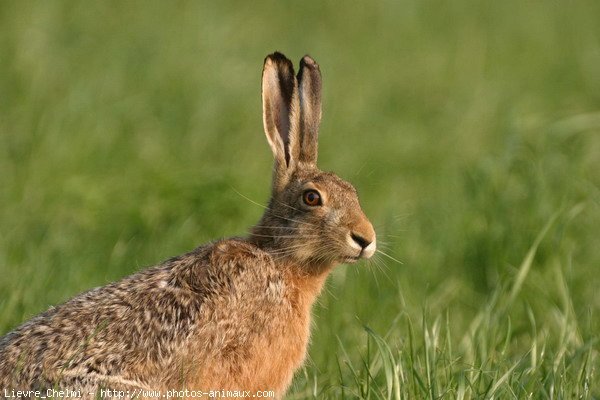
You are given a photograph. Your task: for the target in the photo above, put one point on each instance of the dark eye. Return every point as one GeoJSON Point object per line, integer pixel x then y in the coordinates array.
{"type": "Point", "coordinates": [312, 198]}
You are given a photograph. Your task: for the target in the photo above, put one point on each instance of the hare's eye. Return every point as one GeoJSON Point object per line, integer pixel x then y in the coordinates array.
{"type": "Point", "coordinates": [312, 198]}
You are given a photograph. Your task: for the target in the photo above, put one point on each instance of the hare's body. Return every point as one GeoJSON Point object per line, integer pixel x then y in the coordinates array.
{"type": "Point", "coordinates": [226, 305]}
{"type": "Point", "coordinates": [232, 315]}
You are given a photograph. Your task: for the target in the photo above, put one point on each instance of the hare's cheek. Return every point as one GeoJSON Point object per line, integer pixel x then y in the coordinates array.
{"type": "Point", "coordinates": [334, 217]}
{"type": "Point", "coordinates": [304, 252]}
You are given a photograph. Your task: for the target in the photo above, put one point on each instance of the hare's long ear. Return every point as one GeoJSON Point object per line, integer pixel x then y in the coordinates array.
{"type": "Point", "coordinates": [281, 114]}
{"type": "Point", "coordinates": [309, 84]}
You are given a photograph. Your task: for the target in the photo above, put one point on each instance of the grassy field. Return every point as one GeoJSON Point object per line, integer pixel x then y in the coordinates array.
{"type": "Point", "coordinates": [471, 130]}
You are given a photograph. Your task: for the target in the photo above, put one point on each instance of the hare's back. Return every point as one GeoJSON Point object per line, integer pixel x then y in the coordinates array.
{"type": "Point", "coordinates": [143, 328]}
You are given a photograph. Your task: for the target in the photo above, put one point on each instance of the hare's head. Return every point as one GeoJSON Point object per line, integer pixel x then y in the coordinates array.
{"type": "Point", "coordinates": [314, 217]}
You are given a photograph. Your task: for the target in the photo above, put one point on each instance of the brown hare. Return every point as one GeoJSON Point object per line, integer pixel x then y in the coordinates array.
{"type": "Point", "coordinates": [231, 315]}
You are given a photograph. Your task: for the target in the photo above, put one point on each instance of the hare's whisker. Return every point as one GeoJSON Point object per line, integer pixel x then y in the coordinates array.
{"type": "Point", "coordinates": [381, 267]}
{"type": "Point", "coordinates": [388, 256]}
{"type": "Point", "coordinates": [294, 220]}
{"type": "Point", "coordinates": [278, 227]}
{"type": "Point", "coordinates": [288, 248]}
{"type": "Point", "coordinates": [248, 198]}
{"type": "Point", "coordinates": [270, 209]}
{"type": "Point", "coordinates": [283, 236]}
{"type": "Point", "coordinates": [287, 205]}
{"type": "Point", "coordinates": [376, 280]}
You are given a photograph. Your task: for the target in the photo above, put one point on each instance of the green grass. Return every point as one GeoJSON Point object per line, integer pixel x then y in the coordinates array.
{"type": "Point", "coordinates": [471, 130]}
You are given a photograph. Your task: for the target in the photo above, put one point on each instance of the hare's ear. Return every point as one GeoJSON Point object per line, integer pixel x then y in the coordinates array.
{"type": "Point", "coordinates": [309, 84]}
{"type": "Point", "coordinates": [281, 111]}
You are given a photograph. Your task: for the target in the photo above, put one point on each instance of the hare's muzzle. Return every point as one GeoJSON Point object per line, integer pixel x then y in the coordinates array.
{"type": "Point", "coordinates": [363, 239]}
{"type": "Point", "coordinates": [367, 246]}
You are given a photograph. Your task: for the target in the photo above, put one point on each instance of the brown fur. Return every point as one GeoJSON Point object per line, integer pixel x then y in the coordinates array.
{"type": "Point", "coordinates": [230, 315]}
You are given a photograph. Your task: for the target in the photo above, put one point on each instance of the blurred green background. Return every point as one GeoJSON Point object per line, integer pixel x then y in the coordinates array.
{"type": "Point", "coordinates": [126, 129]}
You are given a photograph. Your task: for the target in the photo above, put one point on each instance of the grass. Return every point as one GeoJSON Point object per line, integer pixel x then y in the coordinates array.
{"type": "Point", "coordinates": [471, 130]}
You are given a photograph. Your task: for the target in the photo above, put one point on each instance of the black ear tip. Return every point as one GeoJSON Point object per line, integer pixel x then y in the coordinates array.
{"type": "Point", "coordinates": [309, 62]}
{"type": "Point", "coordinates": [309, 66]}
{"type": "Point", "coordinates": [277, 57]}
{"type": "Point", "coordinates": [280, 62]}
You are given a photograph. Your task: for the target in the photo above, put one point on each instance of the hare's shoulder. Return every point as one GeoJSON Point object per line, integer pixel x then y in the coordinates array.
{"type": "Point", "coordinates": [234, 264]}
{"type": "Point", "coordinates": [224, 268]}
{"type": "Point", "coordinates": [234, 256]}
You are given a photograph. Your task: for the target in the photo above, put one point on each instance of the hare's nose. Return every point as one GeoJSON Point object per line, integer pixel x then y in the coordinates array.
{"type": "Point", "coordinates": [361, 241]}
{"type": "Point", "coordinates": [363, 237]}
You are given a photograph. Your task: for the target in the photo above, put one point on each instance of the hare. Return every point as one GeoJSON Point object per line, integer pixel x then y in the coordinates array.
{"type": "Point", "coordinates": [233, 314]}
